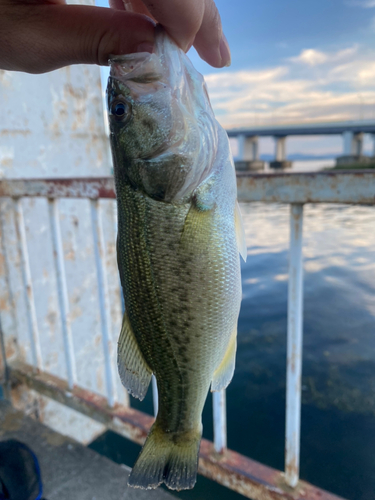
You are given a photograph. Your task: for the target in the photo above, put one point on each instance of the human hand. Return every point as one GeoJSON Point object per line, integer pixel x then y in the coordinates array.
{"type": "Point", "coordinates": [188, 22]}
{"type": "Point", "coordinates": [42, 35]}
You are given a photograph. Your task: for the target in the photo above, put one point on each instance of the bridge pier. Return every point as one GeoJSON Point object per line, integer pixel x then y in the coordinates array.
{"type": "Point", "coordinates": [352, 133]}
{"type": "Point", "coordinates": [353, 149]}
{"type": "Point", "coordinates": [280, 154]}
{"type": "Point", "coordinates": [353, 143]}
{"type": "Point", "coordinates": [248, 153]}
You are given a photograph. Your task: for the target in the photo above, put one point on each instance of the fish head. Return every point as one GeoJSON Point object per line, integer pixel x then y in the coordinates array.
{"type": "Point", "coordinates": [139, 110]}
{"type": "Point", "coordinates": [162, 128]}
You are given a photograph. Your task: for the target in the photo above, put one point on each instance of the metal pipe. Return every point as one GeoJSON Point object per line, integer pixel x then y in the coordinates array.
{"type": "Point", "coordinates": [220, 420]}
{"type": "Point", "coordinates": [353, 187]}
{"type": "Point", "coordinates": [5, 385]}
{"type": "Point", "coordinates": [36, 351]}
{"type": "Point", "coordinates": [294, 348]}
{"type": "Point", "coordinates": [3, 357]}
{"type": "Point", "coordinates": [104, 304]}
{"type": "Point", "coordinates": [58, 255]}
{"type": "Point", "coordinates": [119, 280]}
{"type": "Point", "coordinates": [4, 252]}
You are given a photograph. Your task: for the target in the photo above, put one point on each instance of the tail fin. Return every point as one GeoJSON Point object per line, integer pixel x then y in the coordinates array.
{"type": "Point", "coordinates": [169, 458]}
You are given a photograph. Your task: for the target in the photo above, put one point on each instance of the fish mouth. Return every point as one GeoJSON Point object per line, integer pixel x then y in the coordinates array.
{"type": "Point", "coordinates": [121, 58]}
{"type": "Point", "coordinates": [142, 67]}
{"type": "Point", "coordinates": [130, 59]}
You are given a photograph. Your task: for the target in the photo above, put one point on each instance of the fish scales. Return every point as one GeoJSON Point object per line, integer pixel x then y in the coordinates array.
{"type": "Point", "coordinates": [179, 236]}
{"type": "Point", "coordinates": [163, 283]}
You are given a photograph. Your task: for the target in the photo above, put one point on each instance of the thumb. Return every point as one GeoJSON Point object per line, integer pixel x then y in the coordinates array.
{"type": "Point", "coordinates": [42, 37]}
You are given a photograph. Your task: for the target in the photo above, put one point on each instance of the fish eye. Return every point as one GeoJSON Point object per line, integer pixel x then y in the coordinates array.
{"type": "Point", "coordinates": [120, 110]}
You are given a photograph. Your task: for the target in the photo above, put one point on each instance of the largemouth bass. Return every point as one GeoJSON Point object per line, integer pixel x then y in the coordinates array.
{"type": "Point", "coordinates": [179, 237]}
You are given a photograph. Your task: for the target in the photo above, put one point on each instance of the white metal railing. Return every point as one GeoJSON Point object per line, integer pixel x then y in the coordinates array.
{"type": "Point", "coordinates": [233, 470]}
{"type": "Point", "coordinates": [294, 348]}
{"type": "Point", "coordinates": [28, 286]}
{"type": "Point", "coordinates": [105, 317]}
{"type": "Point", "coordinates": [62, 290]}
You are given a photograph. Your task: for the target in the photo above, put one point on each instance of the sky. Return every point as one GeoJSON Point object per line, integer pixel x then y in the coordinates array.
{"type": "Point", "coordinates": [293, 62]}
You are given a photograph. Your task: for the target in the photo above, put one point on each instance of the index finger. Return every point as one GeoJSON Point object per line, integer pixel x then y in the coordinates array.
{"type": "Point", "coordinates": [188, 22]}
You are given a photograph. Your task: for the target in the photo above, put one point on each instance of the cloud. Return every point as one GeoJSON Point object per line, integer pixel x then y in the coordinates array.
{"type": "Point", "coordinates": [311, 57]}
{"type": "Point", "coordinates": [356, 73]}
{"type": "Point", "coordinates": [319, 86]}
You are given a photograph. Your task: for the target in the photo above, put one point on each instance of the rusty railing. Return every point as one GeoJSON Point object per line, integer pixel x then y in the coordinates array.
{"type": "Point", "coordinates": [251, 479]}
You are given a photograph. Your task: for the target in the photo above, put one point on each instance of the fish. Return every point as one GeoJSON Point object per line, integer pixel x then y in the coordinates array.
{"type": "Point", "coordinates": [180, 235]}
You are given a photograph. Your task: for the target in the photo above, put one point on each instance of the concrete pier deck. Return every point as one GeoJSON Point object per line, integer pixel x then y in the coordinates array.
{"type": "Point", "coordinates": [70, 471]}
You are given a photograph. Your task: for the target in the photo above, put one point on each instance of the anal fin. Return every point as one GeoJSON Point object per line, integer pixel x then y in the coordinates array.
{"type": "Point", "coordinates": [224, 373]}
{"type": "Point", "coordinates": [134, 372]}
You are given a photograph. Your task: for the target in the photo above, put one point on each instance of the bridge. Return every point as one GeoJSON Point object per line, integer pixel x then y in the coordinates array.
{"type": "Point", "coordinates": [351, 131]}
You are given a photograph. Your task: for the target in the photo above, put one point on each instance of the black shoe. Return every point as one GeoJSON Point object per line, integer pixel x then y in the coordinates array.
{"type": "Point", "coordinates": [20, 477]}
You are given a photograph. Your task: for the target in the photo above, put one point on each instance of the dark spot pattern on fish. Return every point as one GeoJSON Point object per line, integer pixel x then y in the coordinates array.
{"type": "Point", "coordinates": [170, 328]}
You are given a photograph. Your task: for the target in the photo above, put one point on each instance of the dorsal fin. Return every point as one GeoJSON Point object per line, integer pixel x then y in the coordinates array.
{"type": "Point", "coordinates": [240, 233]}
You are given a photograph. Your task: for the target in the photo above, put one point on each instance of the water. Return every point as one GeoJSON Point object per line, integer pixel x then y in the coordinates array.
{"type": "Point", "coordinates": [303, 166]}
{"type": "Point", "coordinates": [338, 398]}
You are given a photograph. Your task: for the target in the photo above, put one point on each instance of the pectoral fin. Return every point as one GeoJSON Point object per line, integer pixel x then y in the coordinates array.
{"type": "Point", "coordinates": [134, 372]}
{"type": "Point", "coordinates": [240, 233]}
{"type": "Point", "coordinates": [224, 373]}
{"type": "Point", "coordinates": [199, 224]}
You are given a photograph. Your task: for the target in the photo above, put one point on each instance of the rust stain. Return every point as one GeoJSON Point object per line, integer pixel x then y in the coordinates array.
{"type": "Point", "coordinates": [75, 92]}
{"type": "Point", "coordinates": [51, 319]}
{"type": "Point", "coordinates": [70, 254]}
{"type": "Point", "coordinates": [351, 187]}
{"type": "Point", "coordinates": [92, 188]}
{"type": "Point", "coordinates": [10, 348]}
{"type": "Point", "coordinates": [99, 379]}
{"type": "Point", "coordinates": [6, 162]}
{"type": "Point", "coordinates": [284, 187]}
{"type": "Point", "coordinates": [75, 313]}
{"type": "Point", "coordinates": [13, 132]}
{"type": "Point", "coordinates": [4, 306]}
{"type": "Point", "coordinates": [292, 467]}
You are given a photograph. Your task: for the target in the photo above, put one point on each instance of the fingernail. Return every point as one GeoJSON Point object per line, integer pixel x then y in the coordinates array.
{"type": "Point", "coordinates": [224, 51]}
{"type": "Point", "coordinates": [145, 47]}
{"type": "Point", "coordinates": [128, 6]}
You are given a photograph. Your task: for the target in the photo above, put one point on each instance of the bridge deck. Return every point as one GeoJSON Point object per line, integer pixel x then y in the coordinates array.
{"type": "Point", "coordinates": [325, 128]}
